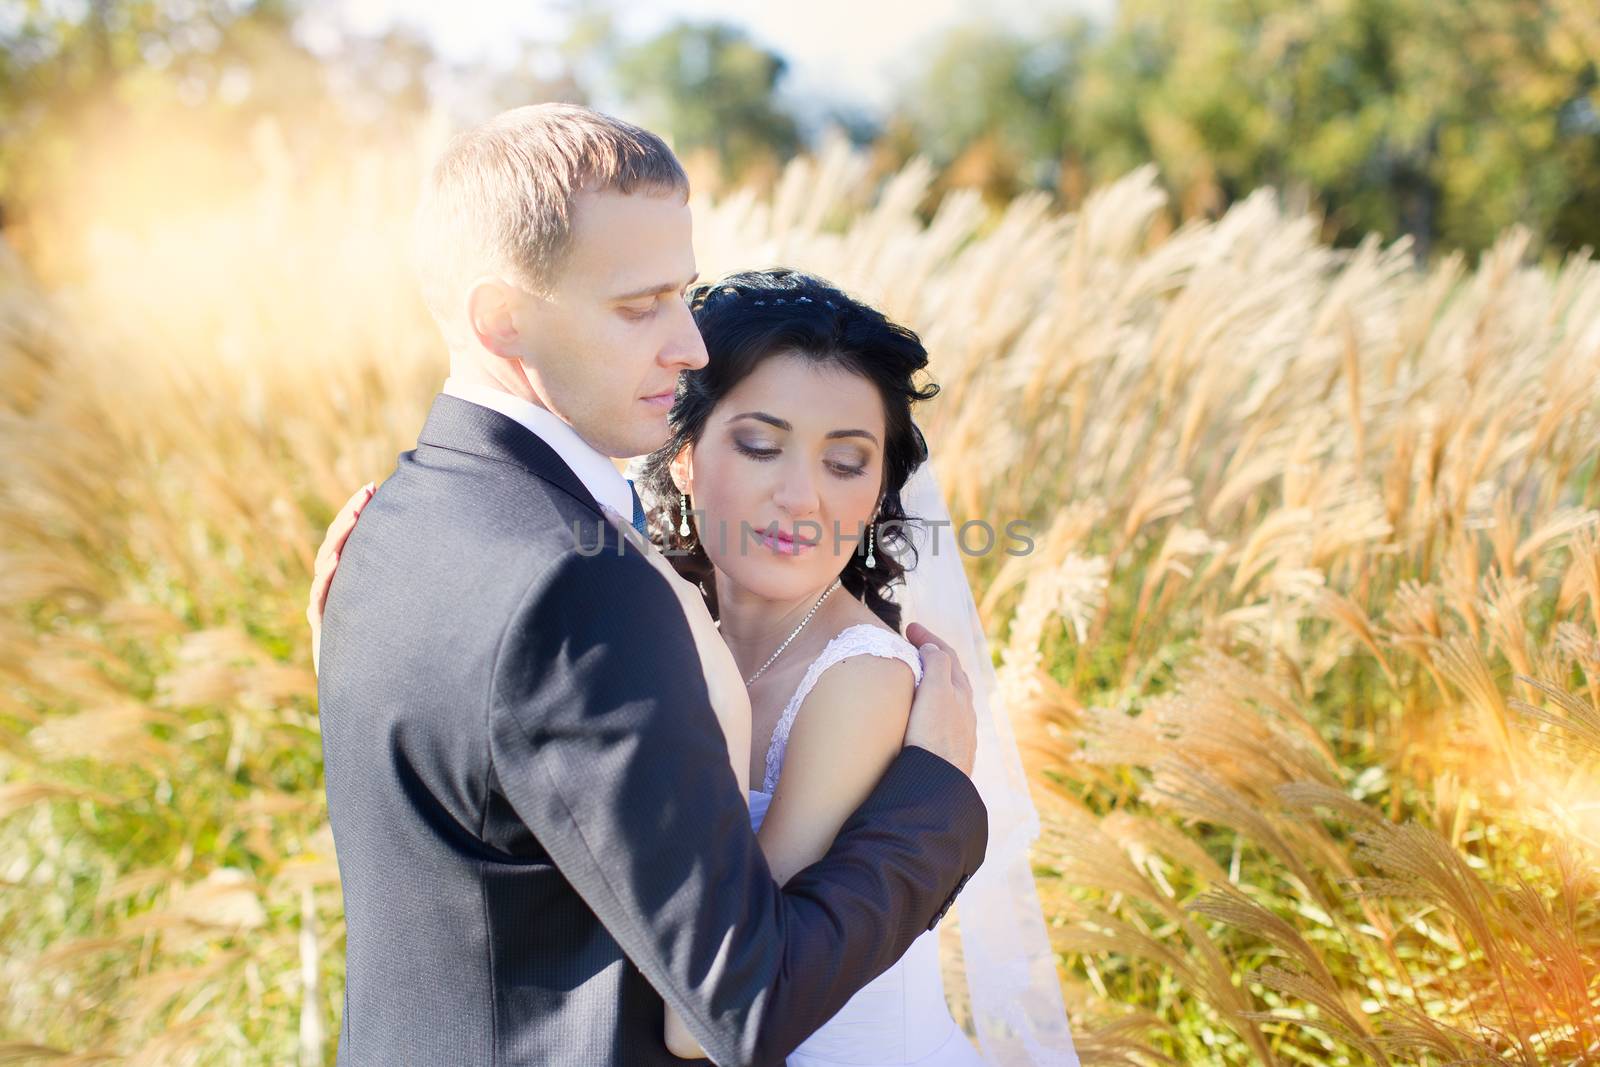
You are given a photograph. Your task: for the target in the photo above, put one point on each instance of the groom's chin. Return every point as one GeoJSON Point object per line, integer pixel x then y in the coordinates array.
{"type": "Point", "coordinates": [625, 434]}
{"type": "Point", "coordinates": [648, 433]}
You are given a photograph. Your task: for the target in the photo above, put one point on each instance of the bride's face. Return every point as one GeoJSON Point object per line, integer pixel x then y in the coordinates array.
{"type": "Point", "coordinates": [796, 445]}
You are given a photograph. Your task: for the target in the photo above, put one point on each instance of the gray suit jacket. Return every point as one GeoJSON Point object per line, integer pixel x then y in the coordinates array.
{"type": "Point", "coordinates": [538, 832]}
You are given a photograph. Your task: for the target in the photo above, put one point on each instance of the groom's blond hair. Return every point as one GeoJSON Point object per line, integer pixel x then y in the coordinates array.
{"type": "Point", "coordinates": [499, 199]}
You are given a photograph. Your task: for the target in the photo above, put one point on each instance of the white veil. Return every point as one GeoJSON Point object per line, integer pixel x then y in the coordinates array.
{"type": "Point", "coordinates": [1010, 969]}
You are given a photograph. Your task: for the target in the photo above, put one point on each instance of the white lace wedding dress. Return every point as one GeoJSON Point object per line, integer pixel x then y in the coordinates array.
{"type": "Point", "coordinates": [900, 1017]}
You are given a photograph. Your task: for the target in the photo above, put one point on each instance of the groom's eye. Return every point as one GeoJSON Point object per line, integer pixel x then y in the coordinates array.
{"type": "Point", "coordinates": [638, 311]}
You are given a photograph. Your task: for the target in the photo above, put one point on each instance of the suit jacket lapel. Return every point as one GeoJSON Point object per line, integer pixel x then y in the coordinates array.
{"type": "Point", "coordinates": [463, 426]}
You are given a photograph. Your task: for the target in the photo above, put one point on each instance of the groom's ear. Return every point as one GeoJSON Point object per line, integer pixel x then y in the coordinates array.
{"type": "Point", "coordinates": [491, 314]}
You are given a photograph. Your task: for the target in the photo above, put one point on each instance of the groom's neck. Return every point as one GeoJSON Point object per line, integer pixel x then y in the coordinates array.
{"type": "Point", "coordinates": [505, 379]}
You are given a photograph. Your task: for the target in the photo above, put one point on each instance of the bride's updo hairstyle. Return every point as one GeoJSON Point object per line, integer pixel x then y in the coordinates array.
{"type": "Point", "coordinates": [752, 316]}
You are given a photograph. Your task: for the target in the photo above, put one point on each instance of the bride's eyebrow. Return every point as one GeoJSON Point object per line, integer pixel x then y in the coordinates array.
{"type": "Point", "coordinates": [783, 424]}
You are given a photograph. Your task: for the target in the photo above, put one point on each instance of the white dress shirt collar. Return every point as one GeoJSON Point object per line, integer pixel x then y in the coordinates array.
{"type": "Point", "coordinates": [593, 468]}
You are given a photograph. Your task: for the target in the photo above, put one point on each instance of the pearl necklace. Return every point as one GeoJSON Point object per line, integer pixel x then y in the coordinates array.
{"type": "Point", "coordinates": [831, 587]}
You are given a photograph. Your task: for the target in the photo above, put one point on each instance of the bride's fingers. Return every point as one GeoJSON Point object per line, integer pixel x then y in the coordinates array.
{"type": "Point", "coordinates": [327, 562]}
{"type": "Point", "coordinates": [345, 521]}
{"type": "Point", "coordinates": [338, 531]}
{"type": "Point", "coordinates": [333, 542]}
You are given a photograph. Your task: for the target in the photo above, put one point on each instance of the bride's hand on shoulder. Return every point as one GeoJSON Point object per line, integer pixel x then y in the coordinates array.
{"type": "Point", "coordinates": [327, 561]}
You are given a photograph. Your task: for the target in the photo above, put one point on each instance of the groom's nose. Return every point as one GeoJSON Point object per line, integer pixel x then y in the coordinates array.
{"type": "Point", "coordinates": [685, 349]}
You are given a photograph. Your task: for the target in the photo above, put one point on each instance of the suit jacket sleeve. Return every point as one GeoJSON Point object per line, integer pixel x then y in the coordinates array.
{"type": "Point", "coordinates": [606, 746]}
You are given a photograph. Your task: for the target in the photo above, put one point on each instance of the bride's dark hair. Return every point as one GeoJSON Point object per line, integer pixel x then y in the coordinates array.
{"type": "Point", "coordinates": [752, 316]}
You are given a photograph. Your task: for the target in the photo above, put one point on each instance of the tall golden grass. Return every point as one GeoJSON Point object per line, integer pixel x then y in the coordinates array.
{"type": "Point", "coordinates": [1305, 659]}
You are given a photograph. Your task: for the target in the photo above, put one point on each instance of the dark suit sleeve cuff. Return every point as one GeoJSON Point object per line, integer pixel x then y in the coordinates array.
{"type": "Point", "coordinates": [918, 776]}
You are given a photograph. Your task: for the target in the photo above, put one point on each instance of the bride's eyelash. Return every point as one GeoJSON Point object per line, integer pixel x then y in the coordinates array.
{"type": "Point", "coordinates": [761, 455]}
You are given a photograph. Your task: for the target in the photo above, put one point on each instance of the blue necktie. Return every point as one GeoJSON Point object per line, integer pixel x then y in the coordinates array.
{"type": "Point", "coordinates": [638, 511]}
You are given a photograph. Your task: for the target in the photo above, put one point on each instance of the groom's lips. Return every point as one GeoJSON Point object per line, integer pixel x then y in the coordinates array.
{"type": "Point", "coordinates": [661, 400]}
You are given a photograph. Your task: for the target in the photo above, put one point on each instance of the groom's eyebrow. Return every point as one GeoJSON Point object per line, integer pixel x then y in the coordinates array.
{"type": "Point", "coordinates": [657, 290]}
{"type": "Point", "coordinates": [783, 424]}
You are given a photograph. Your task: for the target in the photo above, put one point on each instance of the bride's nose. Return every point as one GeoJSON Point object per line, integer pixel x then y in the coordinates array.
{"type": "Point", "coordinates": [796, 492]}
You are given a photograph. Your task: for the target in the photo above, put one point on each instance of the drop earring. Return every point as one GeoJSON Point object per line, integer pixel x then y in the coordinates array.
{"type": "Point", "coordinates": [872, 560]}
{"type": "Point", "coordinates": [683, 514]}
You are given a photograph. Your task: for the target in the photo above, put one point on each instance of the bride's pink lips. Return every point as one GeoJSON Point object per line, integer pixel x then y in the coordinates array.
{"type": "Point", "coordinates": [785, 544]}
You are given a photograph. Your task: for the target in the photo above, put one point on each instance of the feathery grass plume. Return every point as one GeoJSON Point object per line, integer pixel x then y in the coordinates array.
{"type": "Point", "coordinates": [1581, 722]}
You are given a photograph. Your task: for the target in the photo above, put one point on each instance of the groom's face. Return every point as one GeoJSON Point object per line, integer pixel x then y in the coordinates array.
{"type": "Point", "coordinates": [604, 348]}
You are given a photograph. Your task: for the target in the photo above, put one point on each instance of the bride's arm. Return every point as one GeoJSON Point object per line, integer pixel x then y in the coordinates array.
{"type": "Point", "coordinates": [842, 742]}
{"type": "Point", "coordinates": [848, 730]}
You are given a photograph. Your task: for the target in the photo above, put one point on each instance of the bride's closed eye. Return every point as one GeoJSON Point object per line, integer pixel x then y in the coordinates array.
{"type": "Point", "coordinates": [762, 455]}
{"type": "Point", "coordinates": [754, 452]}
{"type": "Point", "coordinates": [847, 471]}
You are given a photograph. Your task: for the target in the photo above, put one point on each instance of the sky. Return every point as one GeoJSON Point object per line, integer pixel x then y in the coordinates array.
{"type": "Point", "coordinates": [851, 52]}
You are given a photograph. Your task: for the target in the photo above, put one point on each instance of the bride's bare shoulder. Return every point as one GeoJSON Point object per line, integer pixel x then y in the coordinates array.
{"type": "Point", "coordinates": [860, 696]}
{"type": "Point", "coordinates": [868, 663]}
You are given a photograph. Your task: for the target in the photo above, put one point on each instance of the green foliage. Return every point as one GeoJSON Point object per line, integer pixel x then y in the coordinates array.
{"type": "Point", "coordinates": [1447, 122]}
{"type": "Point", "coordinates": [984, 84]}
{"type": "Point", "coordinates": [1444, 121]}
{"type": "Point", "coordinates": [709, 86]}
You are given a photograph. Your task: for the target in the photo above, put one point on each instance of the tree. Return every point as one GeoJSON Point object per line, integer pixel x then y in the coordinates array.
{"type": "Point", "coordinates": [996, 107]}
{"type": "Point", "coordinates": [1448, 121]}
{"type": "Point", "coordinates": [708, 86]}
